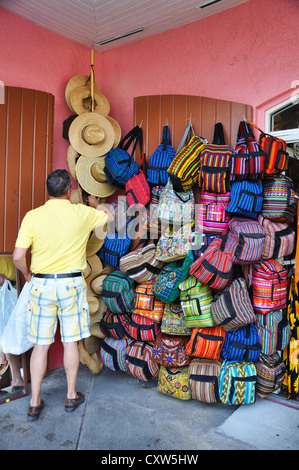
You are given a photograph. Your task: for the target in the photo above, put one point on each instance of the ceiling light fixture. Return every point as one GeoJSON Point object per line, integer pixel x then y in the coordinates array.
{"type": "Point", "coordinates": [121, 36]}
{"type": "Point", "coordinates": [208, 3]}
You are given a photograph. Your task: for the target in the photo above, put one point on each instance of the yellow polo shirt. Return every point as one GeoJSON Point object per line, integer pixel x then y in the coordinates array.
{"type": "Point", "coordinates": [58, 233]}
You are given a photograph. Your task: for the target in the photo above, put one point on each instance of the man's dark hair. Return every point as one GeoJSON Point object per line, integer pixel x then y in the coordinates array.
{"type": "Point", "coordinates": [58, 182]}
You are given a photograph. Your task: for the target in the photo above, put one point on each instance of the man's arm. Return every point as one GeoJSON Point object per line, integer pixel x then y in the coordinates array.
{"type": "Point", "coordinates": [19, 259]}
{"type": "Point", "coordinates": [93, 202]}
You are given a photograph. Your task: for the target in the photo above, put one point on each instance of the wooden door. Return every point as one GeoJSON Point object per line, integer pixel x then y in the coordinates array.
{"type": "Point", "coordinates": [26, 134]}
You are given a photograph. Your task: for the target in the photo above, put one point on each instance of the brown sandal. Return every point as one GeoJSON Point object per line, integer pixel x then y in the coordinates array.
{"type": "Point", "coordinates": [72, 403]}
{"type": "Point", "coordinates": [34, 411]}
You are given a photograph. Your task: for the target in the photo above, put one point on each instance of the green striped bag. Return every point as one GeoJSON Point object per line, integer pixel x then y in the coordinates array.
{"type": "Point", "coordinates": [204, 380]}
{"type": "Point", "coordinates": [274, 331]}
{"type": "Point", "coordinates": [214, 170]}
{"type": "Point", "coordinates": [237, 383]}
{"type": "Point", "coordinates": [118, 292]}
{"type": "Point", "coordinates": [196, 299]}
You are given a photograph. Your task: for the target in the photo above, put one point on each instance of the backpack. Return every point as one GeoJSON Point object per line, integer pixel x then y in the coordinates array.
{"type": "Point", "coordinates": [232, 308]}
{"type": "Point", "coordinates": [196, 299]}
{"type": "Point", "coordinates": [245, 240]}
{"type": "Point", "coordinates": [114, 247]}
{"type": "Point", "coordinates": [237, 383]}
{"type": "Point", "coordinates": [204, 380]}
{"type": "Point", "coordinates": [269, 286]}
{"type": "Point", "coordinates": [270, 374]}
{"type": "Point", "coordinates": [174, 382]}
{"type": "Point", "coordinates": [170, 350]}
{"type": "Point", "coordinates": [214, 267]}
{"type": "Point", "coordinates": [141, 264]}
{"type": "Point", "coordinates": [160, 160]}
{"type": "Point", "coordinates": [280, 200]}
{"type": "Point", "coordinates": [242, 344]}
{"type": "Point", "coordinates": [146, 304]}
{"type": "Point", "coordinates": [213, 217]}
{"type": "Point", "coordinates": [113, 325]}
{"type": "Point", "coordinates": [173, 320]}
{"type": "Point", "coordinates": [206, 343]}
{"type": "Point", "coordinates": [118, 292]}
{"type": "Point", "coordinates": [246, 199]}
{"type": "Point", "coordinates": [274, 331]}
{"type": "Point", "coordinates": [175, 207]}
{"type": "Point", "coordinates": [142, 328]}
{"type": "Point", "coordinates": [139, 361]}
{"type": "Point", "coordinates": [279, 238]}
{"type": "Point", "coordinates": [113, 353]}
{"type": "Point", "coordinates": [214, 169]}
{"type": "Point", "coordinates": [248, 159]}
{"type": "Point", "coordinates": [184, 168]}
{"type": "Point", "coordinates": [119, 164]}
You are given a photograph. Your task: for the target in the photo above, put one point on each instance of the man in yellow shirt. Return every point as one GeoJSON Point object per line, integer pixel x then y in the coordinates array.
{"type": "Point", "coordinates": [57, 234]}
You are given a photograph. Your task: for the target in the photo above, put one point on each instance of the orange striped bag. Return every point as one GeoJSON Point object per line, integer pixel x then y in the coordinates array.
{"type": "Point", "coordinates": [206, 343]}
{"type": "Point", "coordinates": [146, 304]}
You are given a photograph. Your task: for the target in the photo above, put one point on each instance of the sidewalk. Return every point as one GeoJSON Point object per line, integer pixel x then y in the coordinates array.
{"type": "Point", "coordinates": [122, 413]}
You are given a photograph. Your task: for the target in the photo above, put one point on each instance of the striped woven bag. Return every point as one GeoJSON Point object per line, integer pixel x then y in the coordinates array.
{"type": "Point", "coordinates": [237, 383]}
{"type": "Point", "coordinates": [141, 264]}
{"type": "Point", "coordinates": [113, 325]}
{"type": "Point", "coordinates": [214, 169]}
{"type": "Point", "coordinates": [245, 240]}
{"type": "Point", "coordinates": [280, 200]}
{"type": "Point", "coordinates": [204, 380]}
{"type": "Point", "coordinates": [139, 361]}
{"type": "Point", "coordinates": [270, 374]}
{"type": "Point", "coordinates": [146, 304]}
{"type": "Point", "coordinates": [274, 330]}
{"type": "Point", "coordinates": [113, 353]}
{"type": "Point", "coordinates": [214, 267]}
{"type": "Point", "coordinates": [160, 160]}
{"type": "Point", "coordinates": [196, 299]}
{"type": "Point", "coordinates": [279, 238]}
{"type": "Point", "coordinates": [213, 217]}
{"type": "Point", "coordinates": [142, 328]}
{"type": "Point", "coordinates": [206, 343]}
{"type": "Point", "coordinates": [184, 168]}
{"type": "Point", "coordinates": [118, 292]}
{"type": "Point", "coordinates": [269, 286]}
{"type": "Point", "coordinates": [246, 199]}
{"type": "Point", "coordinates": [242, 344]}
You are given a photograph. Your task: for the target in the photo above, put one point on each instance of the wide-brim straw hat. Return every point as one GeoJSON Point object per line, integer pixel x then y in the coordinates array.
{"type": "Point", "coordinates": [90, 175]}
{"type": "Point", "coordinates": [81, 101]}
{"type": "Point", "coordinates": [117, 130]}
{"type": "Point", "coordinates": [95, 266]}
{"type": "Point", "coordinates": [71, 159]}
{"type": "Point", "coordinates": [94, 244]}
{"type": "Point", "coordinates": [91, 135]}
{"type": "Point", "coordinates": [75, 82]}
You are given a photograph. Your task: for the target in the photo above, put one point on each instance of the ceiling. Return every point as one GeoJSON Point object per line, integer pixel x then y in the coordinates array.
{"type": "Point", "coordinates": [88, 22]}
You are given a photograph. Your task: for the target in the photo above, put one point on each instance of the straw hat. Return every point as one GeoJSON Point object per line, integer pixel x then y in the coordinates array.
{"type": "Point", "coordinates": [117, 130]}
{"type": "Point", "coordinates": [71, 159]}
{"type": "Point", "coordinates": [90, 175]}
{"type": "Point", "coordinates": [91, 134]}
{"type": "Point", "coordinates": [80, 99]}
{"type": "Point", "coordinates": [93, 245]}
{"type": "Point", "coordinates": [95, 265]}
{"type": "Point", "coordinates": [75, 82]}
{"type": "Point", "coordinates": [92, 361]}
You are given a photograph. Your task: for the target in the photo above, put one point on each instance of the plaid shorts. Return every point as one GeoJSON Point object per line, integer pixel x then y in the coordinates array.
{"type": "Point", "coordinates": [64, 299]}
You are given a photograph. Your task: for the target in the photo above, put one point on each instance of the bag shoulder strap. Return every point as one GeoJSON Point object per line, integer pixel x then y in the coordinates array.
{"type": "Point", "coordinates": [218, 138]}
{"type": "Point", "coordinates": [135, 137]}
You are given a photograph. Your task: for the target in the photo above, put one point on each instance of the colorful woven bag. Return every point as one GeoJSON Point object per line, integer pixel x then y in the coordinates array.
{"type": "Point", "coordinates": [113, 325]}
{"type": "Point", "coordinates": [274, 331]}
{"type": "Point", "coordinates": [237, 383]}
{"type": "Point", "coordinates": [184, 168]}
{"type": "Point", "coordinates": [204, 380]}
{"type": "Point", "coordinates": [160, 160]}
{"type": "Point", "coordinates": [245, 240]}
{"type": "Point", "coordinates": [246, 199]}
{"type": "Point", "coordinates": [270, 374]}
{"type": "Point", "coordinates": [214, 169]}
{"type": "Point", "coordinates": [269, 286]}
{"type": "Point", "coordinates": [248, 159]}
{"type": "Point", "coordinates": [279, 238]}
{"type": "Point", "coordinates": [173, 320]}
{"type": "Point", "coordinates": [280, 200]}
{"type": "Point", "coordinates": [174, 244]}
{"type": "Point", "coordinates": [212, 215]}
{"type": "Point", "coordinates": [141, 264]}
{"type": "Point", "coordinates": [242, 344]}
{"type": "Point", "coordinates": [175, 207]}
{"type": "Point", "coordinates": [206, 343]}
{"type": "Point", "coordinates": [170, 350]}
{"type": "Point", "coordinates": [196, 299]}
{"type": "Point", "coordinates": [142, 328]}
{"type": "Point", "coordinates": [214, 267]}
{"type": "Point", "coordinates": [174, 382]}
{"type": "Point", "coordinates": [113, 353]}
{"type": "Point", "coordinates": [150, 221]}
{"type": "Point", "coordinates": [232, 308]}
{"type": "Point", "coordinates": [118, 292]}
{"type": "Point", "coordinates": [139, 361]}
{"type": "Point", "coordinates": [137, 189]}
{"type": "Point", "coordinates": [166, 284]}
{"type": "Point", "coordinates": [146, 304]}
{"type": "Point", "coordinates": [114, 247]}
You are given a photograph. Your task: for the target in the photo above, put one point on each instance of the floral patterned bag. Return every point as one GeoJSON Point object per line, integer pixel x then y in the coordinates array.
{"type": "Point", "coordinates": [174, 382]}
{"type": "Point", "coordinates": [174, 244]}
{"type": "Point", "coordinates": [176, 206]}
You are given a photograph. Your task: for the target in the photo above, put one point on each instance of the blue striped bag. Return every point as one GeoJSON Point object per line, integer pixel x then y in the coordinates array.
{"type": "Point", "coordinates": [246, 199]}
{"type": "Point", "coordinates": [118, 293]}
{"type": "Point", "coordinates": [113, 353]}
{"type": "Point", "coordinates": [237, 383]}
{"type": "Point", "coordinates": [242, 344]}
{"type": "Point", "coordinates": [114, 247]}
{"type": "Point", "coordinates": [160, 160]}
{"type": "Point", "coordinates": [245, 240]}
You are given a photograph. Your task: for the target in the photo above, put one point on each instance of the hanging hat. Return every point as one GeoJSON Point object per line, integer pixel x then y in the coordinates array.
{"type": "Point", "coordinates": [80, 99]}
{"type": "Point", "coordinates": [92, 361]}
{"type": "Point", "coordinates": [117, 130]}
{"type": "Point", "coordinates": [93, 245]}
{"type": "Point", "coordinates": [75, 82]}
{"type": "Point", "coordinates": [95, 264]}
{"type": "Point", "coordinates": [91, 134]}
{"type": "Point", "coordinates": [71, 159]}
{"type": "Point", "coordinates": [90, 175]}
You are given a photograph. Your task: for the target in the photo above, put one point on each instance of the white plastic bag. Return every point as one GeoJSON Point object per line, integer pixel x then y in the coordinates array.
{"type": "Point", "coordinates": [14, 340]}
{"type": "Point", "coordinates": [8, 300]}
